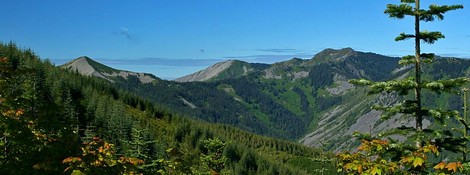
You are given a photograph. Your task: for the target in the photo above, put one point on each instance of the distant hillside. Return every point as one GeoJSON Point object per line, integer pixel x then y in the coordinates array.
{"type": "Point", "coordinates": [308, 100]}
{"type": "Point", "coordinates": [86, 66]}
{"type": "Point", "coordinates": [223, 70]}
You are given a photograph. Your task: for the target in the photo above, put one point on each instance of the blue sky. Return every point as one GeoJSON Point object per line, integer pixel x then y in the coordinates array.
{"type": "Point", "coordinates": [172, 38]}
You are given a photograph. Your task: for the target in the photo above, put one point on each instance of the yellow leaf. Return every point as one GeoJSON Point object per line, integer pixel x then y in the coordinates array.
{"type": "Point", "coordinates": [19, 112]}
{"type": "Point", "coordinates": [348, 166]}
{"type": "Point", "coordinates": [418, 161]}
{"type": "Point", "coordinates": [406, 159]}
{"type": "Point", "coordinates": [434, 149]}
{"type": "Point", "coordinates": [359, 169]}
{"type": "Point", "coordinates": [375, 171]}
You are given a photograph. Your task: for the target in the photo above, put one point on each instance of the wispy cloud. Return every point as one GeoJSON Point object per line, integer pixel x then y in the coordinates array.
{"type": "Point", "coordinates": [123, 31]}
{"type": "Point", "coordinates": [160, 62]}
{"type": "Point", "coordinates": [456, 55]}
{"type": "Point", "coordinates": [272, 55]}
{"type": "Point", "coordinates": [128, 35]}
{"type": "Point", "coordinates": [270, 58]}
{"type": "Point", "coordinates": [280, 50]}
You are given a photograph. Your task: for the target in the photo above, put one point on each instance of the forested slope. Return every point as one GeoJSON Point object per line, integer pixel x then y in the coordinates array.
{"type": "Point", "coordinates": [309, 100]}
{"type": "Point", "coordinates": [54, 121]}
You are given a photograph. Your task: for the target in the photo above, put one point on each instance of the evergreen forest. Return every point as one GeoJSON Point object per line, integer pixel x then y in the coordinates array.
{"type": "Point", "coordinates": [54, 121]}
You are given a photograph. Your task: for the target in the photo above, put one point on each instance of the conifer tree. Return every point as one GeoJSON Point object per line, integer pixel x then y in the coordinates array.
{"type": "Point", "coordinates": [434, 12]}
{"type": "Point", "coordinates": [214, 159]}
{"type": "Point", "coordinates": [139, 148]}
{"type": "Point", "coordinates": [414, 107]}
{"type": "Point", "coordinates": [401, 157]}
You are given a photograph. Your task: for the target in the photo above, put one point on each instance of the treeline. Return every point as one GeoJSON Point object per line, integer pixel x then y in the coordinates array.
{"type": "Point", "coordinates": [59, 122]}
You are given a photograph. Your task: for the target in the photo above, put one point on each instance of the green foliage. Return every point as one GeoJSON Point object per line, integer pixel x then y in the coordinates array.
{"type": "Point", "coordinates": [377, 156]}
{"type": "Point", "coordinates": [239, 69]}
{"type": "Point", "coordinates": [46, 112]}
{"type": "Point", "coordinates": [214, 158]}
{"type": "Point", "coordinates": [34, 130]}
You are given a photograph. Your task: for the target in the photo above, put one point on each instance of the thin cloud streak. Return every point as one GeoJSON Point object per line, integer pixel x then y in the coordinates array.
{"type": "Point", "coordinates": [130, 37]}
{"type": "Point", "coordinates": [123, 31]}
{"type": "Point", "coordinates": [456, 55]}
{"type": "Point", "coordinates": [160, 62]}
{"type": "Point", "coordinates": [280, 50]}
{"type": "Point", "coordinates": [270, 58]}
{"type": "Point", "coordinates": [267, 58]}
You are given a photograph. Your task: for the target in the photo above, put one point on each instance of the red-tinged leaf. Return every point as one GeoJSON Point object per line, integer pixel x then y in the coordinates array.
{"type": "Point", "coordinates": [71, 159]}
{"type": "Point", "coordinates": [440, 166]}
{"type": "Point", "coordinates": [380, 142]}
{"type": "Point", "coordinates": [363, 147]}
{"type": "Point", "coordinates": [454, 166]}
{"type": "Point", "coordinates": [3, 60]}
{"type": "Point", "coordinates": [359, 169]}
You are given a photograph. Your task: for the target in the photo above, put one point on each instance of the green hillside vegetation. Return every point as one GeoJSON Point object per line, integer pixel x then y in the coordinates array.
{"type": "Point", "coordinates": [59, 122]}
{"type": "Point", "coordinates": [239, 69]}
{"type": "Point", "coordinates": [296, 98]}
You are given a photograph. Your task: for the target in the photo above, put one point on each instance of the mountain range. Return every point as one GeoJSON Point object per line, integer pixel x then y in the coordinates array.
{"type": "Point", "coordinates": [306, 100]}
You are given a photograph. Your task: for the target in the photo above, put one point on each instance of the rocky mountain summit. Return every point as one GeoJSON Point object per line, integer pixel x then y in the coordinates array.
{"type": "Point", "coordinates": [89, 67]}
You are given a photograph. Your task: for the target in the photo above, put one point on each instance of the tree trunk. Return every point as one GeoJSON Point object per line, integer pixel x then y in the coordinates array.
{"type": "Point", "coordinates": [419, 113]}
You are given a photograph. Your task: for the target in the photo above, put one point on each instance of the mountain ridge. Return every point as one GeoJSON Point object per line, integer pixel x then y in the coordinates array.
{"type": "Point", "coordinates": [207, 73]}
{"type": "Point", "coordinates": [296, 99]}
{"type": "Point", "coordinates": [89, 67]}
{"type": "Point", "coordinates": [223, 70]}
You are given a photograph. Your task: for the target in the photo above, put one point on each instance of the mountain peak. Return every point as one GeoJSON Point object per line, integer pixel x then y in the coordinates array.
{"type": "Point", "coordinates": [223, 70]}
{"type": "Point", "coordinates": [83, 57]}
{"type": "Point", "coordinates": [207, 73]}
{"type": "Point", "coordinates": [82, 65]}
{"type": "Point", "coordinates": [332, 55]}
{"type": "Point", "coordinates": [89, 67]}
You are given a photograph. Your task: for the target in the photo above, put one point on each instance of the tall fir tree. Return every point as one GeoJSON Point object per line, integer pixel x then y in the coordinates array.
{"type": "Point", "coordinates": [400, 156]}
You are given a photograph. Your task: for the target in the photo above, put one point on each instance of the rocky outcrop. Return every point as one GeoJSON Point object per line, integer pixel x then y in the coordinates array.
{"type": "Point", "coordinates": [88, 67]}
{"type": "Point", "coordinates": [206, 74]}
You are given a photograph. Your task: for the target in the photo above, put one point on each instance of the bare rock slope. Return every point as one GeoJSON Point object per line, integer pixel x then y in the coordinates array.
{"type": "Point", "coordinates": [206, 74]}
{"type": "Point", "coordinates": [86, 66]}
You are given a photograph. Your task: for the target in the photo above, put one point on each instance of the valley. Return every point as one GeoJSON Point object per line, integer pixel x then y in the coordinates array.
{"type": "Point", "coordinates": [309, 101]}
